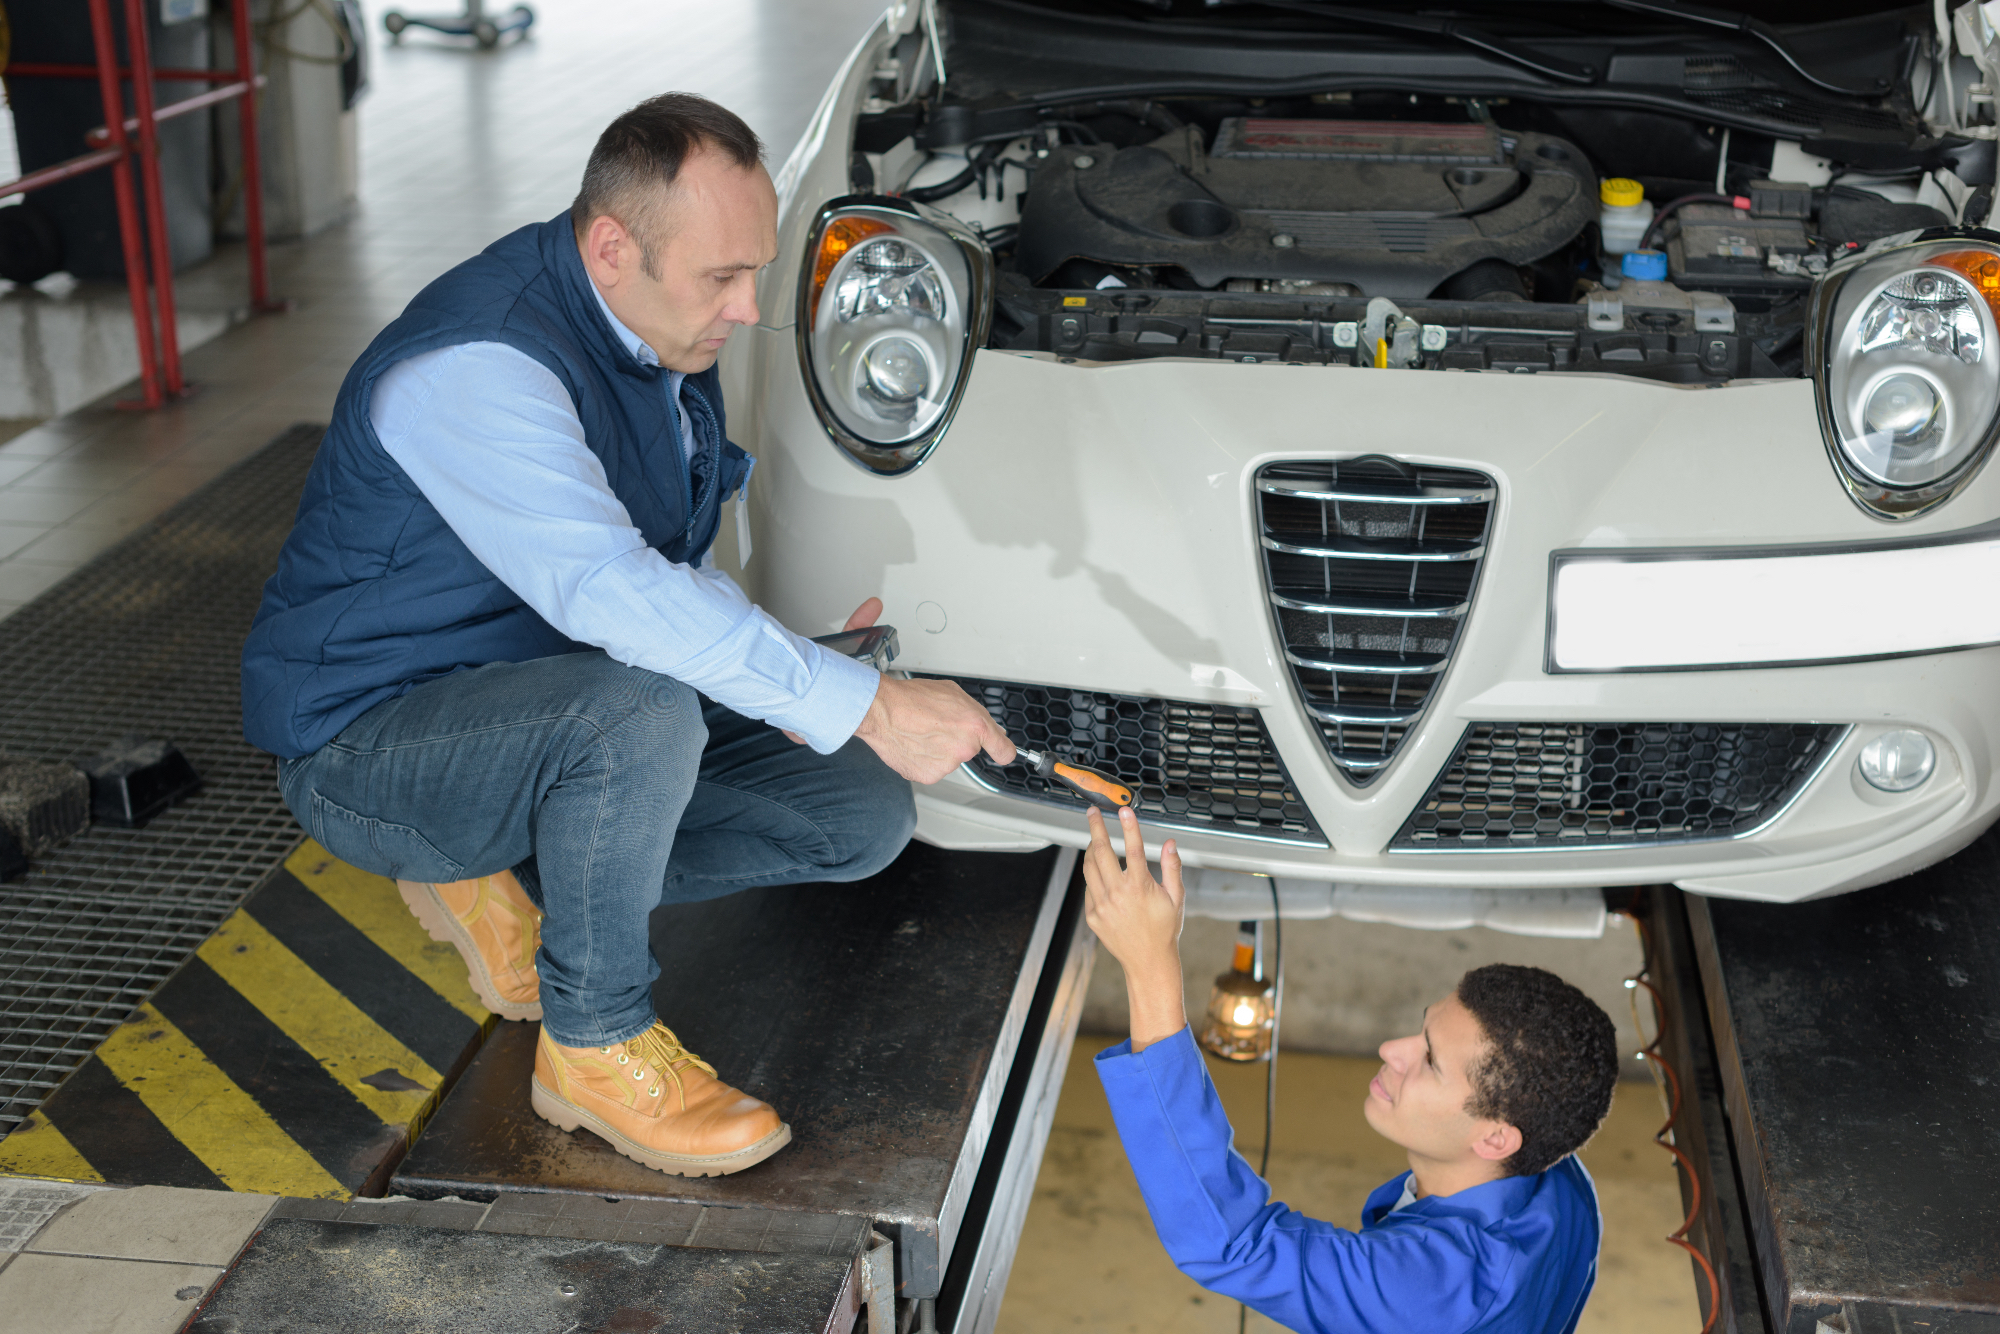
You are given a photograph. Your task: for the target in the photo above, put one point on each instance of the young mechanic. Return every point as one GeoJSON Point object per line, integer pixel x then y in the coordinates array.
{"type": "Point", "coordinates": [1495, 1226]}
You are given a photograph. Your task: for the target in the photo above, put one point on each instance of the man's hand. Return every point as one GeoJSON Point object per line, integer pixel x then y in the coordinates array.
{"type": "Point", "coordinates": [1139, 920]}
{"type": "Point", "coordinates": [925, 729]}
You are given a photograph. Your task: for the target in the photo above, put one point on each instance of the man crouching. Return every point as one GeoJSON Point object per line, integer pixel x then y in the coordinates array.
{"type": "Point", "coordinates": [1495, 1226]}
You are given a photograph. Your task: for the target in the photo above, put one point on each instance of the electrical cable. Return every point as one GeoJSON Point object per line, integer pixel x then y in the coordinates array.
{"type": "Point", "coordinates": [1749, 27]}
{"type": "Point", "coordinates": [1669, 1085]}
{"type": "Point", "coordinates": [1271, 1075]}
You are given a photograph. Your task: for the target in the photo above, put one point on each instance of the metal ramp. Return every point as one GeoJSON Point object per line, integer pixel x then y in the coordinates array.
{"type": "Point", "coordinates": [1841, 1062]}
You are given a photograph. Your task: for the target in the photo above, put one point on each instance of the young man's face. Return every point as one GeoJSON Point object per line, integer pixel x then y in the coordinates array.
{"type": "Point", "coordinates": [721, 228]}
{"type": "Point", "coordinates": [1418, 1100]}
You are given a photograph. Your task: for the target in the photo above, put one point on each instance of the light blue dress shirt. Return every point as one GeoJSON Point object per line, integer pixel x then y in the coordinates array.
{"type": "Point", "coordinates": [1513, 1256]}
{"type": "Point", "coordinates": [491, 438]}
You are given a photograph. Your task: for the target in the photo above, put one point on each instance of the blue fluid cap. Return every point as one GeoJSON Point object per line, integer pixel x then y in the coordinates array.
{"type": "Point", "coordinates": [1645, 265]}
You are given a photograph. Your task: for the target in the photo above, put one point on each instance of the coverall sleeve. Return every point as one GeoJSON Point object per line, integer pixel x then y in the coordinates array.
{"type": "Point", "coordinates": [1218, 1224]}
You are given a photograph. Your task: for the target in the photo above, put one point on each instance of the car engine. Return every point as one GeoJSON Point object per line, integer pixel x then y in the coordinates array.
{"type": "Point", "coordinates": [1382, 208]}
{"type": "Point", "coordinates": [1666, 217]}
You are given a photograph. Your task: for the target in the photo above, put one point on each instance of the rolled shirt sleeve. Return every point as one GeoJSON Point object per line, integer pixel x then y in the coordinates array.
{"type": "Point", "coordinates": [491, 438]}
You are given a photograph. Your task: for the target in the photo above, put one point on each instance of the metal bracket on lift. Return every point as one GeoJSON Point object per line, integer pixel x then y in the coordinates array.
{"type": "Point", "coordinates": [878, 1283]}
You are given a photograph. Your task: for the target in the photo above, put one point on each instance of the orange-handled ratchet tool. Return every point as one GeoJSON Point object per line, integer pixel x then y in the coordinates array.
{"type": "Point", "coordinates": [1100, 790]}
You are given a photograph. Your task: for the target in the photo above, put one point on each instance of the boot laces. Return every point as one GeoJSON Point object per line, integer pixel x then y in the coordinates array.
{"type": "Point", "coordinates": [659, 1048]}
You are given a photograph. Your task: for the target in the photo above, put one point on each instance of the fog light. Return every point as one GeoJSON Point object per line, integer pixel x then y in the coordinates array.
{"type": "Point", "coordinates": [1898, 761]}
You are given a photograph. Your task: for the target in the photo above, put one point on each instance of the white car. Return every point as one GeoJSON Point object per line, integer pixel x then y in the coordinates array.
{"type": "Point", "coordinates": [1293, 411]}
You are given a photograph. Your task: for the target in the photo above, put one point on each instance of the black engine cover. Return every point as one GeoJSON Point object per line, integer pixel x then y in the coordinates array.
{"type": "Point", "coordinates": [1392, 208]}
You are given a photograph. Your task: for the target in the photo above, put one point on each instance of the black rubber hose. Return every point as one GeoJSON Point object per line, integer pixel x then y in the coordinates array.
{"type": "Point", "coordinates": [925, 194]}
{"type": "Point", "coordinates": [1144, 111]}
{"type": "Point", "coordinates": [975, 162]}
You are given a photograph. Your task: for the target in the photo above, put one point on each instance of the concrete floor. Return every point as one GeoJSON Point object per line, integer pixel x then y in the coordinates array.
{"type": "Point", "coordinates": [1089, 1261]}
{"type": "Point", "coordinates": [458, 147]}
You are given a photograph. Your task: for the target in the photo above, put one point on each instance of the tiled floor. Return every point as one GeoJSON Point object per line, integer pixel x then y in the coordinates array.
{"type": "Point", "coordinates": [1090, 1262]}
{"type": "Point", "coordinates": [92, 1260]}
{"type": "Point", "coordinates": [457, 147]}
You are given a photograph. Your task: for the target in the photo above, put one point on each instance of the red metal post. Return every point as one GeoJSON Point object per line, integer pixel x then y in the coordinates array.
{"type": "Point", "coordinates": [253, 176]}
{"type": "Point", "coordinates": [128, 213]}
{"type": "Point", "coordinates": [139, 48]}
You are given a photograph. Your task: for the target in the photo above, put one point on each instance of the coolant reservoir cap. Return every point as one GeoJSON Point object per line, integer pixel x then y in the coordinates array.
{"type": "Point", "coordinates": [1620, 192]}
{"type": "Point", "coordinates": [1646, 265]}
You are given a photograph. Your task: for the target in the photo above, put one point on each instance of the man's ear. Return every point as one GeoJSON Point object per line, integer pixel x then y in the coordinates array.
{"type": "Point", "coordinates": [1497, 1141]}
{"type": "Point", "coordinates": [610, 252]}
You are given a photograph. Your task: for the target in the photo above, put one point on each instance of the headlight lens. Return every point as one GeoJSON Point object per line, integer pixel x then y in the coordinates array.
{"type": "Point", "coordinates": [895, 297]}
{"type": "Point", "coordinates": [1908, 371]}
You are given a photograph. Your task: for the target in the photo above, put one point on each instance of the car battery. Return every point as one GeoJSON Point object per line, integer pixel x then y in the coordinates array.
{"type": "Point", "coordinates": [1722, 248]}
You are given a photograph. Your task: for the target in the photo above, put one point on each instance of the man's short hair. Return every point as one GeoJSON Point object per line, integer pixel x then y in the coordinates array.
{"type": "Point", "coordinates": [639, 156]}
{"type": "Point", "coordinates": [1550, 1063]}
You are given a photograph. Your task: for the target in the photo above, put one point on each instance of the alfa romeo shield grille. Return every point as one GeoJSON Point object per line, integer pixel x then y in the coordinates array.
{"type": "Point", "coordinates": [1370, 565]}
{"type": "Point", "coordinates": [1545, 785]}
{"type": "Point", "coordinates": [1192, 766]}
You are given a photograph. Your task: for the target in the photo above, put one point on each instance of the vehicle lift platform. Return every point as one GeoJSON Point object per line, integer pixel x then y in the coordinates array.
{"type": "Point", "coordinates": [1841, 1061]}
{"type": "Point", "coordinates": [212, 1001]}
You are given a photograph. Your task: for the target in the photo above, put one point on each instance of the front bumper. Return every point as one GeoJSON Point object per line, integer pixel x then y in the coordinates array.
{"type": "Point", "coordinates": [1094, 527]}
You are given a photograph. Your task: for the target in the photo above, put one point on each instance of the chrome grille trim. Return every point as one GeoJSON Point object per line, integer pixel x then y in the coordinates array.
{"type": "Point", "coordinates": [1370, 565]}
{"type": "Point", "coordinates": [1425, 495]}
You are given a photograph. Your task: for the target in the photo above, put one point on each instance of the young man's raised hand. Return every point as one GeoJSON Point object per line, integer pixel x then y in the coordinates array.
{"type": "Point", "coordinates": [1139, 920]}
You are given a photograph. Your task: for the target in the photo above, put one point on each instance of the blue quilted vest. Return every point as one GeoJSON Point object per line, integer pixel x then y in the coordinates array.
{"type": "Point", "coordinates": [374, 593]}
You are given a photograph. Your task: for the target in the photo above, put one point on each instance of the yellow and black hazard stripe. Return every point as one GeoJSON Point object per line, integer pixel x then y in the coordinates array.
{"type": "Point", "coordinates": [298, 1052]}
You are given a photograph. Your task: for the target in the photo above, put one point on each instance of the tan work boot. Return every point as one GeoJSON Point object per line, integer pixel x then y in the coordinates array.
{"type": "Point", "coordinates": [657, 1103]}
{"type": "Point", "coordinates": [496, 926]}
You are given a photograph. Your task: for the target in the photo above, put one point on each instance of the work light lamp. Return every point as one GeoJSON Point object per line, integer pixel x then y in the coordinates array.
{"type": "Point", "coordinates": [1237, 1023]}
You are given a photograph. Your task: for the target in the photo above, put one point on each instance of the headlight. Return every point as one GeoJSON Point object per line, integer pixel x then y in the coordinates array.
{"type": "Point", "coordinates": [1908, 371]}
{"type": "Point", "coordinates": [894, 298]}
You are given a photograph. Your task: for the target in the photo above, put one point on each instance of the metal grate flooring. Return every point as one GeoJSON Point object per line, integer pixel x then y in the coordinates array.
{"type": "Point", "coordinates": [146, 638]}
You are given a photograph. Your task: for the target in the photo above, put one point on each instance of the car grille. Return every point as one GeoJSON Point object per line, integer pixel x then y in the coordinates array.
{"type": "Point", "coordinates": [1370, 565]}
{"type": "Point", "coordinates": [1206, 767]}
{"type": "Point", "coordinates": [1563, 785]}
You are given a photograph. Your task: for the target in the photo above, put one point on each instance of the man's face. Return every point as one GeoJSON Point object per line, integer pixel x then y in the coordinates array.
{"type": "Point", "coordinates": [720, 229]}
{"type": "Point", "coordinates": [1418, 1100]}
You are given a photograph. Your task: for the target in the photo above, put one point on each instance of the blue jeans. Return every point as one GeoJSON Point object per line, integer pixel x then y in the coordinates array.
{"type": "Point", "coordinates": [608, 790]}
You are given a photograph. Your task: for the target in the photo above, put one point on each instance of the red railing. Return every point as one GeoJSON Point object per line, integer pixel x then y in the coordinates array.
{"type": "Point", "coordinates": [125, 137]}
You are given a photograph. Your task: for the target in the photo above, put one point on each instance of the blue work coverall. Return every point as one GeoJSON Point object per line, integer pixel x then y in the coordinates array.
{"type": "Point", "coordinates": [1514, 1256]}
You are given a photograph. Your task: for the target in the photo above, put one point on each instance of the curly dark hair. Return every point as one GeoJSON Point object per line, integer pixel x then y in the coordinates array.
{"type": "Point", "coordinates": [1551, 1059]}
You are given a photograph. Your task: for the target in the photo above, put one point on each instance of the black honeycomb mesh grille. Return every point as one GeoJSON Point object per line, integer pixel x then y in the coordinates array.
{"type": "Point", "coordinates": [1546, 785]}
{"type": "Point", "coordinates": [1370, 566]}
{"type": "Point", "coordinates": [146, 638]}
{"type": "Point", "coordinates": [1192, 766]}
